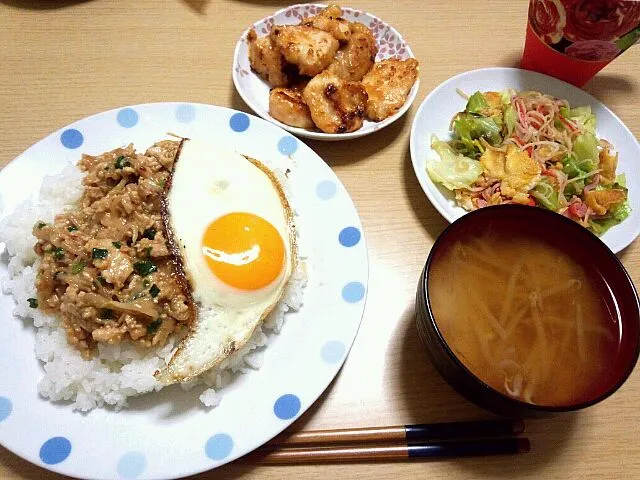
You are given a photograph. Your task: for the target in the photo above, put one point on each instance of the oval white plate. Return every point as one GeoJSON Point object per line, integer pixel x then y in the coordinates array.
{"type": "Point", "coordinates": [255, 91]}
{"type": "Point", "coordinates": [168, 434]}
{"type": "Point", "coordinates": [437, 109]}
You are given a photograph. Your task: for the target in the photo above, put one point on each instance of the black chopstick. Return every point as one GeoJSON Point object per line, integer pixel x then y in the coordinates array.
{"type": "Point", "coordinates": [403, 433]}
{"type": "Point", "coordinates": [417, 451]}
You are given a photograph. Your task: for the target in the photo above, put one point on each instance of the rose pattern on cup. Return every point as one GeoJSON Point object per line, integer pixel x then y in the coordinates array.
{"type": "Point", "coordinates": [605, 20]}
{"type": "Point", "coordinates": [548, 19]}
{"type": "Point", "coordinates": [591, 30]}
{"type": "Point", "coordinates": [592, 50]}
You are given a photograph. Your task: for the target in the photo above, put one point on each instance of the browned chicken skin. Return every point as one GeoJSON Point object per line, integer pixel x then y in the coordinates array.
{"type": "Point", "coordinates": [265, 58]}
{"type": "Point", "coordinates": [308, 48]}
{"type": "Point", "coordinates": [330, 20]}
{"type": "Point", "coordinates": [356, 58]}
{"type": "Point", "coordinates": [288, 106]}
{"type": "Point", "coordinates": [388, 84]}
{"type": "Point", "coordinates": [336, 105]}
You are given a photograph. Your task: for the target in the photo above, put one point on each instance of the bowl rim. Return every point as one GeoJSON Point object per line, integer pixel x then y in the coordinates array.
{"type": "Point", "coordinates": [570, 224]}
{"type": "Point", "coordinates": [312, 134]}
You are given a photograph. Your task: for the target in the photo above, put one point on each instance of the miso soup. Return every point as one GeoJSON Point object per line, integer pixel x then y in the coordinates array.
{"type": "Point", "coordinates": [524, 317]}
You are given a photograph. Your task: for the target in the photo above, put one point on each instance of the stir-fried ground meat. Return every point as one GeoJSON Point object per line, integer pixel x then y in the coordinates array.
{"type": "Point", "coordinates": [105, 269]}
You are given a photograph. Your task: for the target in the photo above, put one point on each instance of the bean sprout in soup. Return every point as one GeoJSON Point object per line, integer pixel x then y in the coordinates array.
{"type": "Point", "coordinates": [525, 317]}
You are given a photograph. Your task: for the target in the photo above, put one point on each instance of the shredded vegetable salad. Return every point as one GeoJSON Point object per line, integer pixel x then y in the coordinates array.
{"type": "Point", "coordinates": [534, 149]}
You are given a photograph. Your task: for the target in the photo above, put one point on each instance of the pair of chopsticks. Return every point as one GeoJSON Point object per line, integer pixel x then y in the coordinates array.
{"type": "Point", "coordinates": [407, 442]}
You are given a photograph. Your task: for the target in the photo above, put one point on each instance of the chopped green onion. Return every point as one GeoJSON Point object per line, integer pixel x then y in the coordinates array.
{"type": "Point", "coordinates": [154, 290]}
{"type": "Point", "coordinates": [77, 267]}
{"type": "Point", "coordinates": [100, 253]}
{"type": "Point", "coordinates": [116, 244]}
{"type": "Point", "coordinates": [146, 282]}
{"type": "Point", "coordinates": [153, 326]}
{"type": "Point", "coordinates": [72, 228]}
{"type": "Point", "coordinates": [149, 233]}
{"type": "Point", "coordinates": [105, 314]}
{"type": "Point", "coordinates": [121, 162]}
{"type": "Point", "coordinates": [145, 267]}
{"type": "Point", "coordinates": [33, 302]}
{"type": "Point", "coordinates": [40, 225]}
{"type": "Point", "coordinates": [57, 252]}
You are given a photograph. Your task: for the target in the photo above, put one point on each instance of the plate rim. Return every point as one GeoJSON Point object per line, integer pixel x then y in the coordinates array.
{"type": "Point", "coordinates": [336, 368]}
{"type": "Point", "coordinates": [427, 185]}
{"type": "Point", "coordinates": [301, 132]}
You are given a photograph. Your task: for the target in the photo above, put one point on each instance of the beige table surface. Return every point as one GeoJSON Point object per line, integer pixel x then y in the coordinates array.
{"type": "Point", "coordinates": [61, 60]}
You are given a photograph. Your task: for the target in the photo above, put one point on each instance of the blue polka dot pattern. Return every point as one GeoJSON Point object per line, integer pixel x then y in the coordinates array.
{"type": "Point", "coordinates": [71, 138]}
{"type": "Point", "coordinates": [353, 292]}
{"type": "Point", "coordinates": [127, 117]}
{"type": "Point", "coordinates": [326, 190]}
{"type": "Point", "coordinates": [131, 465]}
{"type": "Point", "coordinates": [219, 446]}
{"type": "Point", "coordinates": [287, 145]}
{"type": "Point", "coordinates": [287, 406]}
{"type": "Point", "coordinates": [185, 113]}
{"type": "Point", "coordinates": [239, 122]}
{"type": "Point", "coordinates": [6, 407]}
{"type": "Point", "coordinates": [55, 450]}
{"type": "Point", "coordinates": [349, 237]}
{"type": "Point", "coordinates": [332, 352]}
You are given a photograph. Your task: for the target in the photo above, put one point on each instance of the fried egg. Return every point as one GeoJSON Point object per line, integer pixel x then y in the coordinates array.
{"type": "Point", "coordinates": [518, 172]}
{"type": "Point", "coordinates": [231, 231]}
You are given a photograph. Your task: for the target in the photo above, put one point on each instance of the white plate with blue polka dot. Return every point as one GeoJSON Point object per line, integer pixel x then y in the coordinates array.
{"type": "Point", "coordinates": [169, 434]}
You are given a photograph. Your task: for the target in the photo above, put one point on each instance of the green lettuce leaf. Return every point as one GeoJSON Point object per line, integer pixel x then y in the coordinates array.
{"type": "Point", "coordinates": [510, 118]}
{"type": "Point", "coordinates": [452, 169]}
{"type": "Point", "coordinates": [546, 195]}
{"type": "Point", "coordinates": [573, 167]}
{"type": "Point", "coordinates": [506, 96]}
{"type": "Point", "coordinates": [614, 217]}
{"type": "Point", "coordinates": [585, 148]}
{"type": "Point", "coordinates": [476, 103]}
{"type": "Point", "coordinates": [469, 127]}
{"type": "Point", "coordinates": [584, 117]}
{"type": "Point", "coordinates": [622, 211]}
{"type": "Point", "coordinates": [574, 188]}
{"type": "Point", "coordinates": [599, 227]}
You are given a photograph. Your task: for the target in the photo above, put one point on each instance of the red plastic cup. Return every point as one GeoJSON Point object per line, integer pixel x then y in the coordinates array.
{"type": "Point", "coordinates": [575, 39]}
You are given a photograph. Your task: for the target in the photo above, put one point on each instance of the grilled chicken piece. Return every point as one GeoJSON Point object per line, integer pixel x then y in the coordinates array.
{"type": "Point", "coordinates": [265, 58]}
{"type": "Point", "coordinates": [288, 106]}
{"type": "Point", "coordinates": [308, 48]}
{"type": "Point", "coordinates": [330, 20]}
{"type": "Point", "coordinates": [356, 58]}
{"type": "Point", "coordinates": [388, 84]}
{"type": "Point", "coordinates": [336, 106]}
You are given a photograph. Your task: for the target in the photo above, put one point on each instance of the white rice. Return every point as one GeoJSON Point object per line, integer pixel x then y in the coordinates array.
{"type": "Point", "coordinates": [118, 371]}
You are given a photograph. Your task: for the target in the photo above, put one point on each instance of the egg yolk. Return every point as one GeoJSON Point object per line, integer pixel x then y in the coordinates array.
{"type": "Point", "coordinates": [243, 250]}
